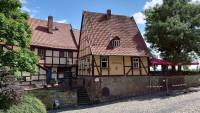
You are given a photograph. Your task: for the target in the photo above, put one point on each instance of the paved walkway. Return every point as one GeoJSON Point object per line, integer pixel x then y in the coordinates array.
{"type": "Point", "coordinates": [181, 103]}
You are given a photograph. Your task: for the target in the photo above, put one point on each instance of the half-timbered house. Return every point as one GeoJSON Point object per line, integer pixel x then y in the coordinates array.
{"type": "Point", "coordinates": [111, 45]}
{"type": "Point", "coordinates": [56, 44]}
{"type": "Point", "coordinates": [112, 56]}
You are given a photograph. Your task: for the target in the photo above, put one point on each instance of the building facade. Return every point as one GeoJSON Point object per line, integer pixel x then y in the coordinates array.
{"type": "Point", "coordinates": [112, 53]}
{"type": "Point", "coordinates": [111, 45]}
{"type": "Point", "coordinates": [56, 44]}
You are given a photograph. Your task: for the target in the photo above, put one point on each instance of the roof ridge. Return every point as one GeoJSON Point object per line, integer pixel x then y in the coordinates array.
{"type": "Point", "coordinates": [73, 36]}
{"type": "Point", "coordinates": [47, 21]}
{"type": "Point", "coordinates": [105, 14]}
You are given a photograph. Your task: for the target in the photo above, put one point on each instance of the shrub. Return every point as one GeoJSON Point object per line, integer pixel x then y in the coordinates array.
{"type": "Point", "coordinates": [29, 104]}
{"type": "Point", "coordinates": [10, 92]}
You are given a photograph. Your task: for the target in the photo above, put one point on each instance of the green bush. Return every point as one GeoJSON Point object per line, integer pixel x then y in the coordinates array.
{"type": "Point", "coordinates": [10, 92]}
{"type": "Point", "coordinates": [29, 104]}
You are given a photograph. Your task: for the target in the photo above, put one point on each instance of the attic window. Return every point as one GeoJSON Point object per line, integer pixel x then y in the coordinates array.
{"type": "Point", "coordinates": [116, 42]}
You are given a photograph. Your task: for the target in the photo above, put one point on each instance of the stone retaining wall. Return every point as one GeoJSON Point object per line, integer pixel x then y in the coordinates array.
{"type": "Point", "coordinates": [108, 88]}
{"type": "Point", "coordinates": [65, 98]}
{"type": "Point", "coordinates": [192, 80]}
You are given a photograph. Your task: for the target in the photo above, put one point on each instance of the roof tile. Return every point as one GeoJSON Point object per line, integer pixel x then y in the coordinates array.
{"type": "Point", "coordinates": [61, 37]}
{"type": "Point", "coordinates": [99, 32]}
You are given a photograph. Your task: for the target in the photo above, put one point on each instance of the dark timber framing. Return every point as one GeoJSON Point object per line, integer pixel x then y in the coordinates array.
{"type": "Point", "coordinates": [92, 65]}
{"type": "Point", "coordinates": [124, 66]}
{"type": "Point", "coordinates": [45, 65]}
{"type": "Point", "coordinates": [52, 56]}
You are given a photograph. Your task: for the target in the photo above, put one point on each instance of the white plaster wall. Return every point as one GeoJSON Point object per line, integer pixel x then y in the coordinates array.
{"type": "Point", "coordinates": [62, 60]}
{"type": "Point", "coordinates": [55, 60]}
{"type": "Point", "coordinates": [56, 53]}
{"type": "Point", "coordinates": [48, 52]}
{"type": "Point", "coordinates": [49, 60]}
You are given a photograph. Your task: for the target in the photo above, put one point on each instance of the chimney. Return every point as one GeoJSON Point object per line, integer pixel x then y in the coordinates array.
{"type": "Point", "coordinates": [50, 24]}
{"type": "Point", "coordinates": [108, 13]}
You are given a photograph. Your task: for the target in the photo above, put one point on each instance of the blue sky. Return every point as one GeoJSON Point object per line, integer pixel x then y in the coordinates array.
{"type": "Point", "coordinates": [70, 11]}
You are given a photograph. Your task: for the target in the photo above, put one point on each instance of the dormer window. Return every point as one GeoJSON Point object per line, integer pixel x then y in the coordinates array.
{"type": "Point", "coordinates": [116, 42]}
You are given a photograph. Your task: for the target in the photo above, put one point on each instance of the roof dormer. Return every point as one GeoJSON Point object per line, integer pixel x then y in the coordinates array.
{"type": "Point", "coordinates": [115, 42]}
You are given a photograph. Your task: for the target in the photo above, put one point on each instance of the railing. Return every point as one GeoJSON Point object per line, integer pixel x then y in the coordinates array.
{"type": "Point", "coordinates": [171, 73]}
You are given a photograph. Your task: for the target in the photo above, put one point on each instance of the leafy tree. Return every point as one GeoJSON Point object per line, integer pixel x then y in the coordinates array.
{"type": "Point", "coordinates": [15, 32]}
{"type": "Point", "coordinates": [15, 35]}
{"type": "Point", "coordinates": [173, 28]}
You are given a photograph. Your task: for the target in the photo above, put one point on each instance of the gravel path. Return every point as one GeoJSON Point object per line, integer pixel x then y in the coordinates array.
{"type": "Point", "coordinates": [184, 103]}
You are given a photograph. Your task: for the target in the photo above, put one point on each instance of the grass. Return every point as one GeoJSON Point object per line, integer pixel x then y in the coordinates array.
{"type": "Point", "coordinates": [29, 104]}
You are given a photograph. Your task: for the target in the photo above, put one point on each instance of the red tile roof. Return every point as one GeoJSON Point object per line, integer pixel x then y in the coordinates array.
{"type": "Point", "coordinates": [60, 39]}
{"type": "Point", "coordinates": [76, 34]}
{"type": "Point", "coordinates": [100, 30]}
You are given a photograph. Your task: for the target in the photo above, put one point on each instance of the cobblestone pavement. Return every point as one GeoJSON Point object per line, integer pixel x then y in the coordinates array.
{"type": "Point", "coordinates": [181, 103]}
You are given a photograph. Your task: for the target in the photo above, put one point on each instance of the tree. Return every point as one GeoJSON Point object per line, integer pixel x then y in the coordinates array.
{"type": "Point", "coordinates": [15, 32]}
{"type": "Point", "coordinates": [173, 28]}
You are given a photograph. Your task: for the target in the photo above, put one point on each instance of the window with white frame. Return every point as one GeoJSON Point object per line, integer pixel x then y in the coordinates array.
{"type": "Point", "coordinates": [136, 62]}
{"type": "Point", "coordinates": [116, 43]}
{"type": "Point", "coordinates": [104, 62]}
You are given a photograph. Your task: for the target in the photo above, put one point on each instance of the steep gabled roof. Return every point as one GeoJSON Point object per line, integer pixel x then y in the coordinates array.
{"type": "Point", "coordinates": [76, 35]}
{"type": "Point", "coordinates": [61, 38]}
{"type": "Point", "coordinates": [100, 30]}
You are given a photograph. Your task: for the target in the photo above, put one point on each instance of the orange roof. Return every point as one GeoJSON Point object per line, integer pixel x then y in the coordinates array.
{"type": "Point", "coordinates": [76, 34]}
{"type": "Point", "coordinates": [61, 38]}
{"type": "Point", "coordinates": [100, 30]}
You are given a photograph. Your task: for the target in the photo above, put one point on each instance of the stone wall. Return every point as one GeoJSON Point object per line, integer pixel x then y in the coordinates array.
{"type": "Point", "coordinates": [192, 80]}
{"type": "Point", "coordinates": [65, 98]}
{"type": "Point", "coordinates": [112, 87]}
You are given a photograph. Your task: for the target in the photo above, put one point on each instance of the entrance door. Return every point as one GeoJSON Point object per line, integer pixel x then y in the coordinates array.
{"type": "Point", "coordinates": [49, 75]}
{"type": "Point", "coordinates": [66, 71]}
{"type": "Point", "coordinates": [67, 78]}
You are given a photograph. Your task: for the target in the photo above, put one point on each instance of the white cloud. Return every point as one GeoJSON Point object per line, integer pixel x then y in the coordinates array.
{"type": "Point", "coordinates": [139, 18]}
{"type": "Point", "coordinates": [62, 21]}
{"type": "Point", "coordinates": [32, 12]}
{"type": "Point", "coordinates": [32, 15]}
{"type": "Point", "coordinates": [152, 3]}
{"type": "Point", "coordinates": [26, 9]}
{"type": "Point", "coordinates": [142, 33]}
{"type": "Point", "coordinates": [195, 1]}
{"type": "Point", "coordinates": [24, 1]}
